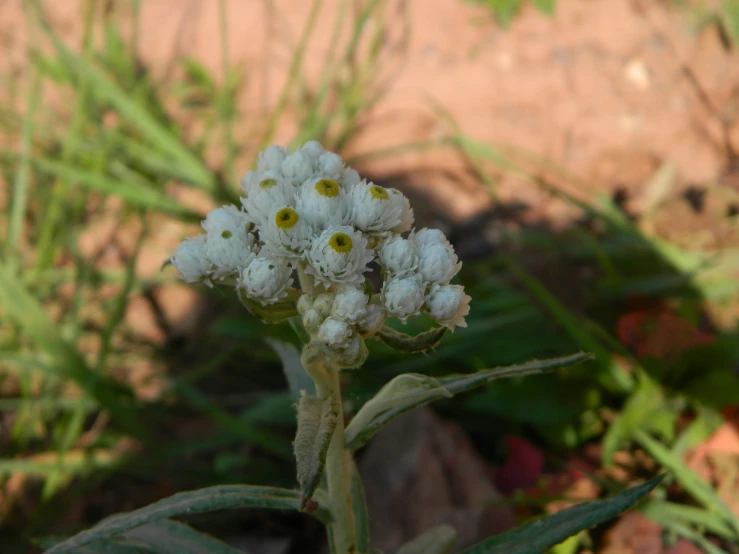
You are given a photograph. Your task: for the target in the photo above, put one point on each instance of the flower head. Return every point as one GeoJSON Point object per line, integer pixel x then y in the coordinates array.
{"type": "Point", "coordinates": [271, 159]}
{"type": "Point", "coordinates": [403, 297]}
{"type": "Point", "coordinates": [226, 218]}
{"type": "Point", "coordinates": [287, 233]}
{"type": "Point", "coordinates": [372, 208]}
{"type": "Point", "coordinates": [448, 305]}
{"type": "Point", "coordinates": [228, 244]}
{"type": "Point", "coordinates": [190, 260]}
{"type": "Point", "coordinates": [264, 193]}
{"type": "Point", "coordinates": [323, 202]}
{"type": "Point", "coordinates": [330, 165]}
{"type": "Point", "coordinates": [339, 255]}
{"type": "Point", "coordinates": [427, 237]}
{"type": "Point", "coordinates": [265, 279]}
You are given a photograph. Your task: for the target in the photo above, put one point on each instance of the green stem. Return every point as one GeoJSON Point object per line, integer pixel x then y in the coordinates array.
{"type": "Point", "coordinates": [338, 472]}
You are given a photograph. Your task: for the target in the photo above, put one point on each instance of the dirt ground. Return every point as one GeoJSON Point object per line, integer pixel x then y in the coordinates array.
{"type": "Point", "coordinates": [607, 88]}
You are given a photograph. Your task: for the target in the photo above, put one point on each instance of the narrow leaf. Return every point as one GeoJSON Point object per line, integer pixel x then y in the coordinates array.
{"type": "Point", "coordinates": [297, 378]}
{"type": "Point", "coordinates": [463, 383]}
{"type": "Point", "coordinates": [692, 483]}
{"type": "Point", "coordinates": [411, 390]}
{"type": "Point", "coordinates": [411, 344]}
{"type": "Point", "coordinates": [136, 195]}
{"type": "Point", "coordinates": [21, 306]}
{"type": "Point", "coordinates": [209, 499]}
{"type": "Point", "coordinates": [542, 534]}
{"type": "Point", "coordinates": [402, 394]}
{"type": "Point", "coordinates": [359, 505]}
{"type": "Point", "coordinates": [172, 537]}
{"type": "Point", "coordinates": [660, 510]}
{"type": "Point", "coordinates": [437, 540]}
{"type": "Point", "coordinates": [317, 419]}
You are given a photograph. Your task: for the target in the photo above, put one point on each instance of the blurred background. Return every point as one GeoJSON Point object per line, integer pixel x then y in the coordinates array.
{"type": "Point", "coordinates": [582, 155]}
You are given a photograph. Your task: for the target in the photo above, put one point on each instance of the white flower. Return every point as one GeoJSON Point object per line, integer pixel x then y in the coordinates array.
{"type": "Point", "coordinates": [265, 279]}
{"type": "Point", "coordinates": [437, 263]}
{"type": "Point", "coordinates": [334, 332]}
{"type": "Point", "coordinates": [403, 296]}
{"type": "Point", "coordinates": [287, 233]}
{"type": "Point", "coordinates": [323, 202]}
{"type": "Point", "coordinates": [349, 178]}
{"type": "Point", "coordinates": [339, 255]}
{"type": "Point", "coordinates": [372, 321]}
{"type": "Point", "coordinates": [427, 237]}
{"type": "Point", "coordinates": [448, 304]}
{"type": "Point", "coordinates": [298, 167]}
{"type": "Point", "coordinates": [226, 218]}
{"type": "Point", "coordinates": [330, 165]}
{"type": "Point", "coordinates": [398, 256]}
{"type": "Point", "coordinates": [407, 217]}
{"type": "Point", "coordinates": [372, 209]}
{"type": "Point", "coordinates": [271, 159]}
{"type": "Point", "coordinates": [229, 249]}
{"type": "Point", "coordinates": [264, 193]}
{"type": "Point", "coordinates": [350, 304]}
{"type": "Point", "coordinates": [190, 261]}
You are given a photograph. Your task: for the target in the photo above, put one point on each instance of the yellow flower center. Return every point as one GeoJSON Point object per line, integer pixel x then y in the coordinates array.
{"type": "Point", "coordinates": [340, 242]}
{"type": "Point", "coordinates": [378, 192]}
{"type": "Point", "coordinates": [226, 234]}
{"type": "Point", "coordinates": [267, 184]}
{"type": "Point", "coordinates": [286, 218]}
{"type": "Point", "coordinates": [327, 187]}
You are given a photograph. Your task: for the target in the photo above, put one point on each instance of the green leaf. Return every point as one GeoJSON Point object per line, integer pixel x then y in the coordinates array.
{"type": "Point", "coordinates": [274, 313]}
{"type": "Point", "coordinates": [173, 537]}
{"type": "Point", "coordinates": [402, 394]}
{"type": "Point", "coordinates": [222, 497]}
{"type": "Point", "coordinates": [729, 17]}
{"type": "Point", "coordinates": [646, 402]}
{"type": "Point", "coordinates": [660, 510]}
{"type": "Point", "coordinates": [545, 6]}
{"type": "Point", "coordinates": [542, 534]}
{"type": "Point", "coordinates": [682, 530]}
{"type": "Point", "coordinates": [437, 540]}
{"type": "Point", "coordinates": [20, 306]}
{"type": "Point", "coordinates": [463, 383]}
{"type": "Point", "coordinates": [317, 418]}
{"type": "Point", "coordinates": [297, 378]}
{"type": "Point", "coordinates": [359, 506]}
{"type": "Point", "coordinates": [691, 482]}
{"type": "Point", "coordinates": [411, 390]}
{"type": "Point", "coordinates": [411, 344]}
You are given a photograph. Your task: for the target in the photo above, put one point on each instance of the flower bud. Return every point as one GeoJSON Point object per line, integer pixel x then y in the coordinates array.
{"type": "Point", "coordinates": [323, 304]}
{"type": "Point", "coordinates": [312, 320]}
{"type": "Point", "coordinates": [330, 165]}
{"type": "Point", "coordinates": [265, 280]}
{"type": "Point", "coordinates": [305, 303]}
{"type": "Point", "coordinates": [448, 304]}
{"type": "Point", "coordinates": [271, 159]}
{"type": "Point", "coordinates": [350, 304]}
{"type": "Point", "coordinates": [372, 321]}
{"type": "Point", "coordinates": [190, 260]}
{"type": "Point", "coordinates": [399, 256]}
{"type": "Point", "coordinates": [355, 354]}
{"type": "Point", "coordinates": [297, 167]}
{"type": "Point", "coordinates": [427, 237]}
{"type": "Point", "coordinates": [437, 263]}
{"type": "Point", "coordinates": [334, 332]}
{"type": "Point", "coordinates": [403, 297]}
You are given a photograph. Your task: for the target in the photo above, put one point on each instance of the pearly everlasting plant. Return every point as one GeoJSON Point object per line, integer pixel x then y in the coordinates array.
{"type": "Point", "coordinates": [302, 247]}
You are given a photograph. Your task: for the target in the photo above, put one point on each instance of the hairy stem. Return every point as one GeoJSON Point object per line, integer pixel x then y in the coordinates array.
{"type": "Point", "coordinates": [338, 472]}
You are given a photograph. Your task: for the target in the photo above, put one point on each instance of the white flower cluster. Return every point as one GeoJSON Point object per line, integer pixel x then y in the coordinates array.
{"type": "Point", "coordinates": [307, 211]}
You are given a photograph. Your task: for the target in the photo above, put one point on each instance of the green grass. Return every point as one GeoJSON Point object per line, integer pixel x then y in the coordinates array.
{"type": "Point", "coordinates": [67, 349]}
